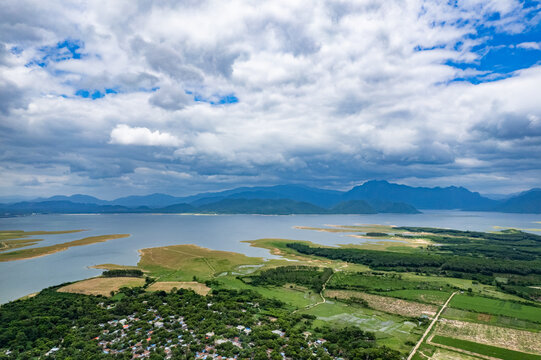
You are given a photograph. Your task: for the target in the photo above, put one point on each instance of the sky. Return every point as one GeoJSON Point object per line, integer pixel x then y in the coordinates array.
{"type": "Point", "coordinates": [111, 98]}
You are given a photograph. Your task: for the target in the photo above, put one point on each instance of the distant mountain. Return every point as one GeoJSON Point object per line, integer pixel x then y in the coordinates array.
{"type": "Point", "coordinates": [319, 197]}
{"type": "Point", "coordinates": [153, 200]}
{"type": "Point", "coordinates": [353, 207]}
{"type": "Point", "coordinates": [527, 202]}
{"type": "Point", "coordinates": [224, 206]}
{"type": "Point", "coordinates": [262, 206]}
{"type": "Point", "coordinates": [77, 198]}
{"type": "Point", "coordinates": [60, 207]}
{"type": "Point", "coordinates": [177, 209]}
{"type": "Point", "coordinates": [393, 207]}
{"type": "Point", "coordinates": [421, 197]}
{"type": "Point", "coordinates": [370, 197]}
{"type": "Point", "coordinates": [372, 207]}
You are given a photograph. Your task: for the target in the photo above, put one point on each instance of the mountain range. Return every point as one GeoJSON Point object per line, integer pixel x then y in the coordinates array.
{"type": "Point", "coordinates": [377, 196]}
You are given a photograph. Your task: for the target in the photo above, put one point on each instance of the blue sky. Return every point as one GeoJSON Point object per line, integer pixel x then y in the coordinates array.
{"type": "Point", "coordinates": [117, 98]}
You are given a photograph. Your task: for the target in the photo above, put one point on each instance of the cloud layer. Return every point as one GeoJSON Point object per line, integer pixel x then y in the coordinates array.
{"type": "Point", "coordinates": [110, 98]}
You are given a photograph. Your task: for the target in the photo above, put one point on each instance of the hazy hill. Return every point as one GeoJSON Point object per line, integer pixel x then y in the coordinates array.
{"type": "Point", "coordinates": [353, 207]}
{"type": "Point", "coordinates": [61, 207]}
{"type": "Point", "coordinates": [527, 202]}
{"type": "Point", "coordinates": [371, 197]}
{"type": "Point", "coordinates": [451, 197]}
{"type": "Point", "coordinates": [77, 198]}
{"type": "Point", "coordinates": [152, 200]}
{"type": "Point", "coordinates": [319, 197]}
{"type": "Point", "coordinates": [262, 206]}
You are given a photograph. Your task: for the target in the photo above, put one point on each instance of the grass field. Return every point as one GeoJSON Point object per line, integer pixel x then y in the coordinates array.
{"type": "Point", "coordinates": [183, 262]}
{"type": "Point", "coordinates": [167, 286]}
{"type": "Point", "coordinates": [382, 281]}
{"type": "Point", "coordinates": [48, 250]}
{"type": "Point", "coordinates": [391, 330]}
{"type": "Point", "coordinates": [518, 340]}
{"type": "Point", "coordinates": [385, 303]}
{"type": "Point", "coordinates": [492, 351]}
{"type": "Point", "coordinates": [101, 286]}
{"type": "Point", "coordinates": [296, 297]}
{"type": "Point", "coordinates": [497, 320]}
{"type": "Point", "coordinates": [496, 307]}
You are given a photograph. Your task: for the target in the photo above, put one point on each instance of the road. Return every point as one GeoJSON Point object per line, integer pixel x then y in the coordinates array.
{"type": "Point", "coordinates": [430, 326]}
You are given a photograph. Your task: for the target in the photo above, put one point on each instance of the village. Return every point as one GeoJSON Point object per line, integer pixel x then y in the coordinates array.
{"type": "Point", "coordinates": [145, 335]}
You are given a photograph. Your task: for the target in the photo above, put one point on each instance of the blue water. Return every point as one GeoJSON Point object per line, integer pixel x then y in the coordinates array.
{"type": "Point", "coordinates": [221, 232]}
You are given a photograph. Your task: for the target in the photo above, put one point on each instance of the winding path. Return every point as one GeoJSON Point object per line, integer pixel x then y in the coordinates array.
{"type": "Point", "coordinates": [430, 326]}
{"type": "Point", "coordinates": [323, 300]}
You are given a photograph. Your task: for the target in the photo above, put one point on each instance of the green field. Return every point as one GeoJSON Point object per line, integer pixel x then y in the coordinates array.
{"type": "Point", "coordinates": [497, 320]}
{"type": "Point", "coordinates": [496, 307]}
{"type": "Point", "coordinates": [482, 349]}
{"type": "Point", "coordinates": [391, 330]}
{"type": "Point", "coordinates": [296, 297]}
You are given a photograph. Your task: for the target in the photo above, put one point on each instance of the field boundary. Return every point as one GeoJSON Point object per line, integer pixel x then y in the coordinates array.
{"type": "Point", "coordinates": [414, 350]}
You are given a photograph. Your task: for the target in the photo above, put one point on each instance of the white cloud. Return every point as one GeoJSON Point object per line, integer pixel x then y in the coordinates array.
{"type": "Point", "coordinates": [125, 135]}
{"type": "Point", "coordinates": [530, 45]}
{"type": "Point", "coordinates": [336, 88]}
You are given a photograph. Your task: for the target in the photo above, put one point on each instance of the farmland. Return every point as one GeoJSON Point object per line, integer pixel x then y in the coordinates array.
{"type": "Point", "coordinates": [385, 303]}
{"type": "Point", "coordinates": [518, 340]}
{"type": "Point", "coordinates": [497, 307]}
{"type": "Point", "coordinates": [487, 350]}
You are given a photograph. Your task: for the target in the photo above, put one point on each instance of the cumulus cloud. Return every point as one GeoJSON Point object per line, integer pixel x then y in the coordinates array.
{"type": "Point", "coordinates": [170, 98]}
{"type": "Point", "coordinates": [11, 97]}
{"type": "Point", "coordinates": [125, 135]}
{"type": "Point", "coordinates": [211, 94]}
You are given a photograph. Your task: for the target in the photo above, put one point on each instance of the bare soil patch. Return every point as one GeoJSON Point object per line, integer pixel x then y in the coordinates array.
{"type": "Point", "coordinates": [101, 286]}
{"type": "Point", "coordinates": [167, 286]}
{"type": "Point", "coordinates": [385, 303]}
{"type": "Point", "coordinates": [519, 340]}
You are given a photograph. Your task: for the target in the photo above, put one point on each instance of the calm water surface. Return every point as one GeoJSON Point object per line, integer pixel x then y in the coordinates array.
{"type": "Point", "coordinates": [221, 232]}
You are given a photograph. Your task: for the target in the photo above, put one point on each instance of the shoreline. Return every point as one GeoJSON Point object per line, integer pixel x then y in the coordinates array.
{"type": "Point", "coordinates": [36, 252]}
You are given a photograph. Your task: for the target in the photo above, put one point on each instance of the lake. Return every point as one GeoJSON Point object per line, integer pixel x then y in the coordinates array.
{"type": "Point", "coordinates": [219, 232]}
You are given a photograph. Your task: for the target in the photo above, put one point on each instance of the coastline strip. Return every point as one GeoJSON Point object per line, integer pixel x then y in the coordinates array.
{"type": "Point", "coordinates": [48, 250]}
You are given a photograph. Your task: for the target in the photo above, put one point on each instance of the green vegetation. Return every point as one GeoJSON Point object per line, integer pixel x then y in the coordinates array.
{"type": "Point", "coordinates": [425, 296]}
{"type": "Point", "coordinates": [227, 323]}
{"type": "Point", "coordinates": [184, 262]}
{"type": "Point", "coordinates": [374, 303]}
{"type": "Point", "coordinates": [122, 273]}
{"type": "Point", "coordinates": [376, 234]}
{"type": "Point", "coordinates": [48, 250]}
{"type": "Point", "coordinates": [499, 353]}
{"type": "Point", "coordinates": [311, 277]}
{"type": "Point", "coordinates": [465, 254]}
{"type": "Point", "coordinates": [496, 320]}
{"type": "Point", "coordinates": [379, 282]}
{"type": "Point", "coordinates": [497, 307]}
